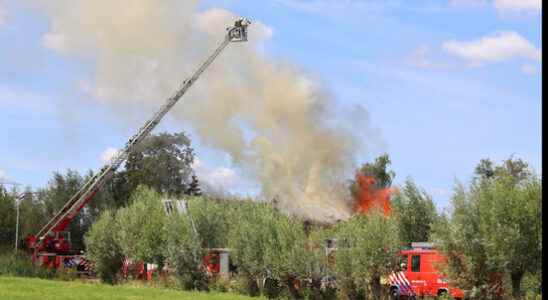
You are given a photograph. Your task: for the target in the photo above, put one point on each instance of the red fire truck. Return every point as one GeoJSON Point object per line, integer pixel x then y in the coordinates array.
{"type": "Point", "coordinates": [419, 275]}
{"type": "Point", "coordinates": [49, 247]}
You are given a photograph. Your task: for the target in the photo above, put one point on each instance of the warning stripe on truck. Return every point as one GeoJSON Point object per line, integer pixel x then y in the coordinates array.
{"type": "Point", "coordinates": [400, 280]}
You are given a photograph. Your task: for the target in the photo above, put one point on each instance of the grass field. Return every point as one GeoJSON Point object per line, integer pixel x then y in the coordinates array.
{"type": "Point", "coordinates": [19, 288]}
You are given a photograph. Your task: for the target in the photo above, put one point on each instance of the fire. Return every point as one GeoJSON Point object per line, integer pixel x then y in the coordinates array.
{"type": "Point", "coordinates": [368, 196]}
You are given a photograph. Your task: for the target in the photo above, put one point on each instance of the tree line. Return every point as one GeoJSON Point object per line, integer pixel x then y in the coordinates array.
{"type": "Point", "coordinates": [491, 232]}
{"type": "Point", "coordinates": [162, 162]}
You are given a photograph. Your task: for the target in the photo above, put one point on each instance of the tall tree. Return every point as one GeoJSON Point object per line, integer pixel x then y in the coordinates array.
{"type": "Point", "coordinates": [7, 218]}
{"type": "Point", "coordinates": [267, 244]}
{"type": "Point", "coordinates": [367, 247]}
{"type": "Point", "coordinates": [415, 213]}
{"type": "Point", "coordinates": [162, 162]}
{"type": "Point", "coordinates": [495, 227]}
{"type": "Point", "coordinates": [194, 187]}
{"type": "Point", "coordinates": [379, 170]}
{"type": "Point", "coordinates": [103, 247]}
{"type": "Point", "coordinates": [59, 189]}
{"type": "Point", "coordinates": [142, 227]}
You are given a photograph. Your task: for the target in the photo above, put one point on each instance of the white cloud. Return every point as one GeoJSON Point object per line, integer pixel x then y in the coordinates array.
{"type": "Point", "coordinates": [108, 154]}
{"type": "Point", "coordinates": [519, 6]}
{"type": "Point", "coordinates": [503, 7]}
{"type": "Point", "coordinates": [421, 58]}
{"type": "Point", "coordinates": [217, 177]}
{"type": "Point", "coordinates": [3, 175]}
{"type": "Point", "coordinates": [499, 47]}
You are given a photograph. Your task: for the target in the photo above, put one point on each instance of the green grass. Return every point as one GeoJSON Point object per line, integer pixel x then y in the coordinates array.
{"type": "Point", "coordinates": [19, 288]}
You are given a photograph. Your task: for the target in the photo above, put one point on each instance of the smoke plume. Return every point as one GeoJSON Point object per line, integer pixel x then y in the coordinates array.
{"type": "Point", "coordinates": [275, 121]}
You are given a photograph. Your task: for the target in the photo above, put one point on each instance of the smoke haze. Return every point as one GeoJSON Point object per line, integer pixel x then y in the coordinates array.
{"type": "Point", "coordinates": [275, 121]}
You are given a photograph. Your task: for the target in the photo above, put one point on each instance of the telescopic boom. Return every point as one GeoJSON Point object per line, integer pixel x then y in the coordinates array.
{"type": "Point", "coordinates": [236, 33]}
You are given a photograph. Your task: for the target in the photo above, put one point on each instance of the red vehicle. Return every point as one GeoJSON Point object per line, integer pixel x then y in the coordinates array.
{"type": "Point", "coordinates": [419, 275]}
{"type": "Point", "coordinates": [49, 247]}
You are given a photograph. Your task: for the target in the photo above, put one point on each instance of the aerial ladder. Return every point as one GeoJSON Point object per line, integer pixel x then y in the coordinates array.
{"type": "Point", "coordinates": [49, 243]}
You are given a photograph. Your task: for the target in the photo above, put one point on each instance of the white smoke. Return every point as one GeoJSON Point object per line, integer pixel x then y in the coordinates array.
{"type": "Point", "coordinates": [274, 121]}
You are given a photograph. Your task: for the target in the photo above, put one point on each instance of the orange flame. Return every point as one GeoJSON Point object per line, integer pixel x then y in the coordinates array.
{"type": "Point", "coordinates": [368, 196]}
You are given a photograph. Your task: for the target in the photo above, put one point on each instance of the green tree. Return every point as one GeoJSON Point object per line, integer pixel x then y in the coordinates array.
{"type": "Point", "coordinates": [142, 227]}
{"type": "Point", "coordinates": [103, 249]}
{"type": "Point", "coordinates": [162, 162]}
{"type": "Point", "coordinates": [7, 218]}
{"type": "Point", "coordinates": [414, 211]}
{"type": "Point", "coordinates": [194, 187]}
{"type": "Point", "coordinates": [265, 243]}
{"type": "Point", "coordinates": [185, 253]}
{"type": "Point", "coordinates": [57, 192]}
{"type": "Point", "coordinates": [495, 227]}
{"type": "Point", "coordinates": [211, 219]}
{"type": "Point", "coordinates": [367, 247]}
{"type": "Point", "coordinates": [379, 170]}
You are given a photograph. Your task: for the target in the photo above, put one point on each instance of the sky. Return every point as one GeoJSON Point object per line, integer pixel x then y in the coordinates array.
{"type": "Point", "coordinates": [442, 85]}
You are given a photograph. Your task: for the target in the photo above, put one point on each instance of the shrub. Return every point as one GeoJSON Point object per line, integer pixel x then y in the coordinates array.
{"type": "Point", "coordinates": [103, 248]}
{"type": "Point", "coordinates": [66, 274]}
{"type": "Point", "coordinates": [20, 264]}
{"type": "Point", "coordinates": [142, 227]}
{"type": "Point", "coordinates": [265, 243]}
{"type": "Point", "coordinates": [367, 247]}
{"type": "Point", "coordinates": [220, 284]}
{"type": "Point", "coordinates": [184, 254]}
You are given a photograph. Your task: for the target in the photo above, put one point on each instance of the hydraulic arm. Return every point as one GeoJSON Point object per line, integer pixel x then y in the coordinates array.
{"type": "Point", "coordinates": [236, 33]}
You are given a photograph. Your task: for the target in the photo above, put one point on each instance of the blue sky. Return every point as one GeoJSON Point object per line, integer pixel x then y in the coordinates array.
{"type": "Point", "coordinates": [444, 85]}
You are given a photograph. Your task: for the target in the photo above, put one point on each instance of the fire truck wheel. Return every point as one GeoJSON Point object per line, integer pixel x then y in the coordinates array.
{"type": "Point", "coordinates": [394, 293]}
{"type": "Point", "coordinates": [442, 293]}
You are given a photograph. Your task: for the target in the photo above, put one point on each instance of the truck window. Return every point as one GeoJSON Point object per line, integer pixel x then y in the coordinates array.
{"type": "Point", "coordinates": [415, 263]}
{"type": "Point", "coordinates": [403, 263]}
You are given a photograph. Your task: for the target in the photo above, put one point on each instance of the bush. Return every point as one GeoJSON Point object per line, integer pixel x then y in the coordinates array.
{"type": "Point", "coordinates": [142, 227]}
{"type": "Point", "coordinates": [367, 247]}
{"type": "Point", "coordinates": [265, 243]}
{"type": "Point", "coordinates": [220, 285]}
{"type": "Point", "coordinates": [66, 274]}
{"type": "Point", "coordinates": [103, 249]}
{"type": "Point", "coordinates": [184, 254]}
{"type": "Point", "coordinates": [20, 264]}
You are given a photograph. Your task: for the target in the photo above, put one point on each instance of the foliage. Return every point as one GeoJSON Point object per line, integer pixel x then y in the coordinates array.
{"type": "Point", "coordinates": [162, 162]}
{"type": "Point", "coordinates": [415, 213]}
{"type": "Point", "coordinates": [59, 189]}
{"type": "Point", "coordinates": [31, 214]}
{"type": "Point", "coordinates": [194, 187]}
{"type": "Point", "coordinates": [211, 218]}
{"type": "Point", "coordinates": [265, 243]}
{"type": "Point", "coordinates": [184, 253]}
{"type": "Point", "coordinates": [204, 225]}
{"type": "Point", "coordinates": [142, 227]}
{"type": "Point", "coordinates": [495, 227]}
{"type": "Point", "coordinates": [379, 169]}
{"type": "Point", "coordinates": [20, 264]}
{"type": "Point", "coordinates": [7, 218]}
{"type": "Point", "coordinates": [103, 248]}
{"type": "Point", "coordinates": [367, 247]}
{"type": "Point", "coordinates": [317, 264]}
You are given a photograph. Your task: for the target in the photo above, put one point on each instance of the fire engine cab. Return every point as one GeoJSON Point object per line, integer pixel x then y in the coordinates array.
{"type": "Point", "coordinates": [419, 275]}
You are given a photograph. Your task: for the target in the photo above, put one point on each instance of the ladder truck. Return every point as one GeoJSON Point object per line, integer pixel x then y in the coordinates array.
{"type": "Point", "coordinates": [49, 247]}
